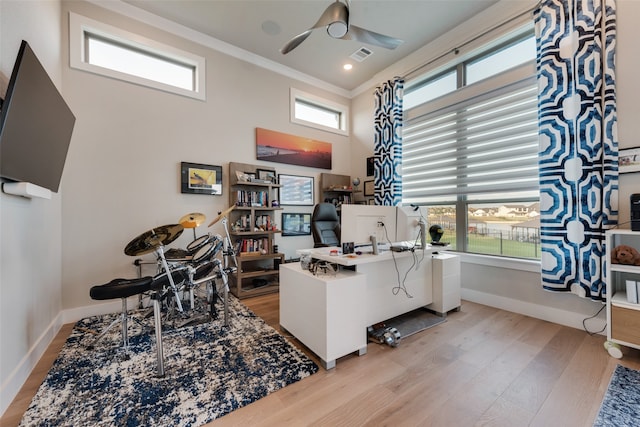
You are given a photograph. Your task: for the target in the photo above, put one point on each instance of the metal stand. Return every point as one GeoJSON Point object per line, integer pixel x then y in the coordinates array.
{"type": "Point", "coordinates": [227, 246]}
{"type": "Point", "coordinates": [158, 326]}
{"type": "Point", "coordinates": [160, 253]}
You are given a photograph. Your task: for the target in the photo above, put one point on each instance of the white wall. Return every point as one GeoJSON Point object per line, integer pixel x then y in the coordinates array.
{"type": "Point", "coordinates": [30, 230]}
{"type": "Point", "coordinates": [628, 88]}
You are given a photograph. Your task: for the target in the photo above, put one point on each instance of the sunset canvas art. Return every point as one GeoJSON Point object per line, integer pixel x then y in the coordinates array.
{"type": "Point", "coordinates": [280, 147]}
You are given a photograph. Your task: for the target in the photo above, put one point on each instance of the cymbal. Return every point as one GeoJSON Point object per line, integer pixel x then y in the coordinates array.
{"type": "Point", "coordinates": [152, 239]}
{"type": "Point", "coordinates": [192, 220]}
{"type": "Point", "coordinates": [221, 215]}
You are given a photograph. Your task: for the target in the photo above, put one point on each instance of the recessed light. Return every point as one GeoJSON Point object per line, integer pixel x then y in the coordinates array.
{"type": "Point", "coordinates": [347, 66]}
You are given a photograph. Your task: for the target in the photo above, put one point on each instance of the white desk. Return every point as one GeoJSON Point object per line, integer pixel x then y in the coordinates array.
{"type": "Point", "coordinates": [330, 314]}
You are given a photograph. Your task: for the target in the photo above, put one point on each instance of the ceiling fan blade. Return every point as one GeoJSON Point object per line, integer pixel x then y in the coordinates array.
{"type": "Point", "coordinates": [336, 12]}
{"type": "Point", "coordinates": [371, 37]}
{"type": "Point", "coordinates": [295, 42]}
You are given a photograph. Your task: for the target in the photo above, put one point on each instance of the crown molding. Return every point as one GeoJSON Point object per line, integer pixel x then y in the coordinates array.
{"type": "Point", "coordinates": [187, 33]}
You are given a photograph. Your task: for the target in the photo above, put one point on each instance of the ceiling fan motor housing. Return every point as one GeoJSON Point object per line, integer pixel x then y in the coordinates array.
{"type": "Point", "coordinates": [339, 24]}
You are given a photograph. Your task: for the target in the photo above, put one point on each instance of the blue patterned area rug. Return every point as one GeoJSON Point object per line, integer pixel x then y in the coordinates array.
{"type": "Point", "coordinates": [621, 404]}
{"type": "Point", "coordinates": [211, 370]}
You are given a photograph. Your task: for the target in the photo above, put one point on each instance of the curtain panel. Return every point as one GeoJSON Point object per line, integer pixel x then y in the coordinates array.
{"type": "Point", "coordinates": [388, 142]}
{"type": "Point", "coordinates": [578, 153]}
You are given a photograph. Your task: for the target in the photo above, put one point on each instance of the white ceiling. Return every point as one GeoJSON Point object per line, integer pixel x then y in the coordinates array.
{"type": "Point", "coordinates": [264, 26]}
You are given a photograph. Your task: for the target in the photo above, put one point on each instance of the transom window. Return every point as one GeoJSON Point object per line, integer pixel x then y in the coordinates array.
{"type": "Point", "coordinates": [112, 52]}
{"type": "Point", "coordinates": [313, 111]}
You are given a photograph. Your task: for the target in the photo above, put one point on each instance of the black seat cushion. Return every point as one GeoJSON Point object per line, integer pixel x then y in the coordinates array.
{"type": "Point", "coordinates": [121, 288]}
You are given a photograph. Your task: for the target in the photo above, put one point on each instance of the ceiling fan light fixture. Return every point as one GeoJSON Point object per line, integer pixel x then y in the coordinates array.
{"type": "Point", "coordinates": [335, 19]}
{"type": "Point", "coordinates": [337, 29]}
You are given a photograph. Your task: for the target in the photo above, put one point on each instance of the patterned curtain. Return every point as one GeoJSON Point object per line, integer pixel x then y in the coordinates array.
{"type": "Point", "coordinates": [578, 156]}
{"type": "Point", "coordinates": [388, 142]}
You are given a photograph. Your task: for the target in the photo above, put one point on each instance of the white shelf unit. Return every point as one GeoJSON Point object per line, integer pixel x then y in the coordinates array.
{"type": "Point", "coordinates": [446, 284]}
{"type": "Point", "coordinates": [623, 317]}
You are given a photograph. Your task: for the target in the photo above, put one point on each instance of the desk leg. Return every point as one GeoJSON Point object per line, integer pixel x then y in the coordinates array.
{"type": "Point", "coordinates": [362, 351]}
{"type": "Point", "coordinates": [328, 365]}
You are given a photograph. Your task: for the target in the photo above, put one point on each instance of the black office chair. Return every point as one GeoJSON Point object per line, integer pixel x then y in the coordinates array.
{"type": "Point", "coordinates": [325, 225]}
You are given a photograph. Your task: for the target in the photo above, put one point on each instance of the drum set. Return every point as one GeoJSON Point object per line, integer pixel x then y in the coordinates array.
{"type": "Point", "coordinates": [192, 278]}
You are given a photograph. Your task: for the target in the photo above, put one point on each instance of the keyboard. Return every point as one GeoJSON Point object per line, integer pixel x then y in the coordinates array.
{"type": "Point", "coordinates": [402, 246]}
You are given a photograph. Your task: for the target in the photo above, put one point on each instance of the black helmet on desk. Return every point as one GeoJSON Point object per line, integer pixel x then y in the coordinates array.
{"type": "Point", "coordinates": [436, 232]}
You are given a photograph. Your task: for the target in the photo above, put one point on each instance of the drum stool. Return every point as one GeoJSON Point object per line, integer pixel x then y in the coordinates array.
{"type": "Point", "coordinates": [123, 289]}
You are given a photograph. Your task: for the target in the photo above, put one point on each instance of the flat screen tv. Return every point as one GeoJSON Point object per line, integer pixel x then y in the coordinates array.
{"type": "Point", "coordinates": [35, 125]}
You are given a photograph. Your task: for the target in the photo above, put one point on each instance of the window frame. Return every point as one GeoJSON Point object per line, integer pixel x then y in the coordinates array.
{"type": "Point", "coordinates": [297, 95]}
{"type": "Point", "coordinates": [81, 28]}
{"type": "Point", "coordinates": [468, 91]}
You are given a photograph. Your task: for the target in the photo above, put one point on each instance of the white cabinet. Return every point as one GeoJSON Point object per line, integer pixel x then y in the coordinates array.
{"type": "Point", "coordinates": [623, 316]}
{"type": "Point", "coordinates": [324, 312]}
{"type": "Point", "coordinates": [330, 313]}
{"type": "Point", "coordinates": [446, 283]}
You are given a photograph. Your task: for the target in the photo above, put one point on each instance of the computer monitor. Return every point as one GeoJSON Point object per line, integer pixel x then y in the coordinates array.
{"type": "Point", "coordinates": [411, 225]}
{"type": "Point", "coordinates": [359, 223]}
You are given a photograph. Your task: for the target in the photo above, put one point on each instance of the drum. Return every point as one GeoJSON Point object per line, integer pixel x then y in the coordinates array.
{"type": "Point", "coordinates": [179, 276]}
{"type": "Point", "coordinates": [177, 255]}
{"type": "Point", "coordinates": [198, 243]}
{"type": "Point", "coordinates": [204, 270]}
{"type": "Point", "coordinates": [207, 251]}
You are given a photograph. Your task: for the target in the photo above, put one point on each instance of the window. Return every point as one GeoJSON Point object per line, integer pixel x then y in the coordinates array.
{"type": "Point", "coordinates": [310, 110]}
{"type": "Point", "coordinates": [431, 89]}
{"type": "Point", "coordinates": [499, 60]}
{"type": "Point", "coordinates": [471, 155]}
{"type": "Point", "coordinates": [111, 52]}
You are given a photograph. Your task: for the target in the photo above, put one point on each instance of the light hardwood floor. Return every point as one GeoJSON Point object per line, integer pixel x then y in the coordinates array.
{"type": "Point", "coordinates": [482, 367]}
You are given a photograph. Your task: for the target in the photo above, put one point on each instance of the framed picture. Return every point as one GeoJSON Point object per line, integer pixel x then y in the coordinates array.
{"type": "Point", "coordinates": [197, 178]}
{"type": "Point", "coordinates": [296, 224]}
{"type": "Point", "coordinates": [296, 190]}
{"type": "Point", "coordinates": [266, 175]}
{"type": "Point", "coordinates": [372, 201]}
{"type": "Point", "coordinates": [629, 160]}
{"type": "Point", "coordinates": [370, 165]}
{"type": "Point", "coordinates": [272, 146]}
{"type": "Point", "coordinates": [368, 188]}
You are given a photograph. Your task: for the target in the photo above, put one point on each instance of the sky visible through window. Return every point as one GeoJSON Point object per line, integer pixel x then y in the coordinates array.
{"type": "Point", "coordinates": [125, 60]}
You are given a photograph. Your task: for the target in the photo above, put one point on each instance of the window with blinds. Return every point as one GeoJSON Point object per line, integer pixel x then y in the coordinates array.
{"type": "Point", "coordinates": [481, 148]}
{"type": "Point", "coordinates": [470, 155]}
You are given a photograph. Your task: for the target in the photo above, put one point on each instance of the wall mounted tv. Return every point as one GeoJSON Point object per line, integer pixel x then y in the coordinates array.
{"type": "Point", "coordinates": [35, 125]}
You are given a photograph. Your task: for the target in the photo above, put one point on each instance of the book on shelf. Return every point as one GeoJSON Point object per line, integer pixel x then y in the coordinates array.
{"type": "Point", "coordinates": [249, 198]}
{"type": "Point", "coordinates": [261, 181]}
{"type": "Point", "coordinates": [632, 291]}
{"type": "Point", "coordinates": [243, 223]}
{"type": "Point", "coordinates": [263, 222]}
{"type": "Point", "coordinates": [252, 246]}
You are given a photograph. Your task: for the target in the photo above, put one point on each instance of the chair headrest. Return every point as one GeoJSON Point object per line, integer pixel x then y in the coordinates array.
{"type": "Point", "coordinates": [325, 212]}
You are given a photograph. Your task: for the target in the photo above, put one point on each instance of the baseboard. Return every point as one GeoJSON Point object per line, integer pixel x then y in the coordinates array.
{"type": "Point", "coordinates": [72, 315]}
{"type": "Point", "coordinates": [10, 388]}
{"type": "Point", "coordinates": [550, 314]}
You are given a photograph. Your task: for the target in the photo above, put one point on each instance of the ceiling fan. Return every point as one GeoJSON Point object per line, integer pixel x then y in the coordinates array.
{"type": "Point", "coordinates": [336, 19]}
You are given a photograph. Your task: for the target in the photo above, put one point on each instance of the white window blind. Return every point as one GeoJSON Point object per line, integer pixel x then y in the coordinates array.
{"type": "Point", "coordinates": [478, 144]}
